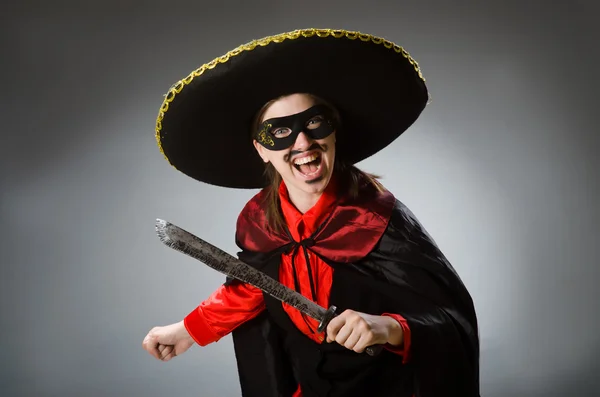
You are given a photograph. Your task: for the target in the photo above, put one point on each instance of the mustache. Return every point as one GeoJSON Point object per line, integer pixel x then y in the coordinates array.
{"type": "Point", "coordinates": [314, 146]}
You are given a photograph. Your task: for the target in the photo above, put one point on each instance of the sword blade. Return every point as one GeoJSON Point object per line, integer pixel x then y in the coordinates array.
{"type": "Point", "coordinates": [191, 245]}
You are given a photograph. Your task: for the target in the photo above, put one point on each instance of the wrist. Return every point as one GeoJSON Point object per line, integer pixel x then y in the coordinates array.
{"type": "Point", "coordinates": [395, 332]}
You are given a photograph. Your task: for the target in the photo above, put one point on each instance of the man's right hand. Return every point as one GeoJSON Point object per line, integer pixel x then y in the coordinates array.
{"type": "Point", "coordinates": [169, 341]}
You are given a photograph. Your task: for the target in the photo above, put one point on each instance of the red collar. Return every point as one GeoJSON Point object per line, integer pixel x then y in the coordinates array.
{"type": "Point", "coordinates": [351, 230]}
{"type": "Point", "coordinates": [300, 225]}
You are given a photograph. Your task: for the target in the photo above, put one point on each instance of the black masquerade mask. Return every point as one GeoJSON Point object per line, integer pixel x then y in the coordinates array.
{"type": "Point", "coordinates": [281, 132]}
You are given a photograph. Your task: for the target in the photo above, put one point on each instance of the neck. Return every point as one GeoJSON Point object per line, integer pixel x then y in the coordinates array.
{"type": "Point", "coordinates": [303, 201]}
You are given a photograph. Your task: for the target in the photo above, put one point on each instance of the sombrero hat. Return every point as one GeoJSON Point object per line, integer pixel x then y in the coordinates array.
{"type": "Point", "coordinates": [203, 126]}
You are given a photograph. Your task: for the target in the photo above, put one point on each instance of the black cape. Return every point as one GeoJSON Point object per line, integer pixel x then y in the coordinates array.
{"type": "Point", "coordinates": [400, 270]}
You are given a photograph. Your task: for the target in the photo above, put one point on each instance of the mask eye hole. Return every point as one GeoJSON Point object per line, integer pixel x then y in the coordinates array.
{"type": "Point", "coordinates": [281, 132]}
{"type": "Point", "coordinates": [315, 122]}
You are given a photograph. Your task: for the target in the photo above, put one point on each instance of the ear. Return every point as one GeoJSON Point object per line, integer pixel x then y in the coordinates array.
{"type": "Point", "coordinates": [261, 151]}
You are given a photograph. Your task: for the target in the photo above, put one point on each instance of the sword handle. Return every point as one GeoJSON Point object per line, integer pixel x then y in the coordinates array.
{"type": "Point", "coordinates": [374, 350]}
{"type": "Point", "coordinates": [329, 314]}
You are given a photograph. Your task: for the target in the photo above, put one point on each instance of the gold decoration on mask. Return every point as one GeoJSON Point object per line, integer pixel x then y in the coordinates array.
{"type": "Point", "coordinates": [279, 38]}
{"type": "Point", "coordinates": [264, 137]}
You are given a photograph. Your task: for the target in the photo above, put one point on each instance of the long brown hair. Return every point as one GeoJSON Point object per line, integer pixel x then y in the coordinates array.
{"type": "Point", "coordinates": [351, 180]}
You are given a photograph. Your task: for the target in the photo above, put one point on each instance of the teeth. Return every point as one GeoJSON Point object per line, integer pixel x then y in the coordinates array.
{"type": "Point", "coordinates": [305, 160]}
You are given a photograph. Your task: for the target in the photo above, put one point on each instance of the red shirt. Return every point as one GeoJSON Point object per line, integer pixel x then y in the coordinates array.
{"type": "Point", "coordinates": [230, 306]}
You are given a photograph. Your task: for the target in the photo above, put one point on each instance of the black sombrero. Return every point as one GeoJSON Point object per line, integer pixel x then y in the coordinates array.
{"type": "Point", "coordinates": [203, 126]}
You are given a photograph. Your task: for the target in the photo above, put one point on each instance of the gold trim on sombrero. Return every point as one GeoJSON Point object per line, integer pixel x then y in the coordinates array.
{"type": "Point", "coordinates": [337, 33]}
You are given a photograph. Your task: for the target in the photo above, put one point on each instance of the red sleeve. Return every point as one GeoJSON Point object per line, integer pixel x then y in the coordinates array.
{"type": "Point", "coordinates": [226, 309]}
{"type": "Point", "coordinates": [404, 349]}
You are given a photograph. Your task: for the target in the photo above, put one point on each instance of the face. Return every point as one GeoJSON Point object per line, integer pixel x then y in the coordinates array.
{"type": "Point", "coordinates": [298, 139]}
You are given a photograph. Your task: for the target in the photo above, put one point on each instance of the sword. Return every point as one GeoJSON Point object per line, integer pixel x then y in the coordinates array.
{"type": "Point", "coordinates": [185, 242]}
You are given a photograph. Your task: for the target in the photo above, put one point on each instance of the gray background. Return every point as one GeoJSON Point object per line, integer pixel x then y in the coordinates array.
{"type": "Point", "coordinates": [502, 169]}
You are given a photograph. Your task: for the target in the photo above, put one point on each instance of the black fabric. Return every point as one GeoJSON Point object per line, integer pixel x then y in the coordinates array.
{"type": "Point", "coordinates": [376, 90]}
{"type": "Point", "coordinates": [260, 348]}
{"type": "Point", "coordinates": [405, 274]}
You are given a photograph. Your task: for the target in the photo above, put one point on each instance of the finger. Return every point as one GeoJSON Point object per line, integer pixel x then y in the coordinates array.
{"type": "Point", "coordinates": [166, 351]}
{"type": "Point", "coordinates": [151, 346]}
{"type": "Point", "coordinates": [352, 340]}
{"type": "Point", "coordinates": [343, 334]}
{"type": "Point", "coordinates": [334, 327]}
{"type": "Point", "coordinates": [336, 324]}
{"type": "Point", "coordinates": [160, 349]}
{"type": "Point", "coordinates": [170, 356]}
{"type": "Point", "coordinates": [365, 341]}
{"type": "Point", "coordinates": [354, 323]}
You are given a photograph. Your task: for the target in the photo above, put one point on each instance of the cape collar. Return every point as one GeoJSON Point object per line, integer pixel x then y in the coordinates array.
{"type": "Point", "coordinates": [350, 230]}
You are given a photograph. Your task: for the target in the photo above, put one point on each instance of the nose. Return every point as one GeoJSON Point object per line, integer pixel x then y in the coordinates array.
{"type": "Point", "coordinates": [303, 141]}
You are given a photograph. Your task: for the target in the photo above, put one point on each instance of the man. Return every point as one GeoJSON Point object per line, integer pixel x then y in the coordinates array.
{"type": "Point", "coordinates": [315, 103]}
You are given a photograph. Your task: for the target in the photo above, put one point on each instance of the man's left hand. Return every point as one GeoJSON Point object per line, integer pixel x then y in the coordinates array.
{"type": "Point", "coordinates": [357, 331]}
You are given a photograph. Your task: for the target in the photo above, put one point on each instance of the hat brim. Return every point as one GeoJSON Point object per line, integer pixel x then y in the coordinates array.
{"type": "Point", "coordinates": [203, 126]}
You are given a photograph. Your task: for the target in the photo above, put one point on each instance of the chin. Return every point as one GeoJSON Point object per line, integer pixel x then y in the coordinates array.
{"type": "Point", "coordinates": [309, 186]}
{"type": "Point", "coordinates": [316, 185]}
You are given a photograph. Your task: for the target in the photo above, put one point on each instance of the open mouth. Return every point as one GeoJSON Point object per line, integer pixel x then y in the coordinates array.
{"type": "Point", "coordinates": [309, 165]}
